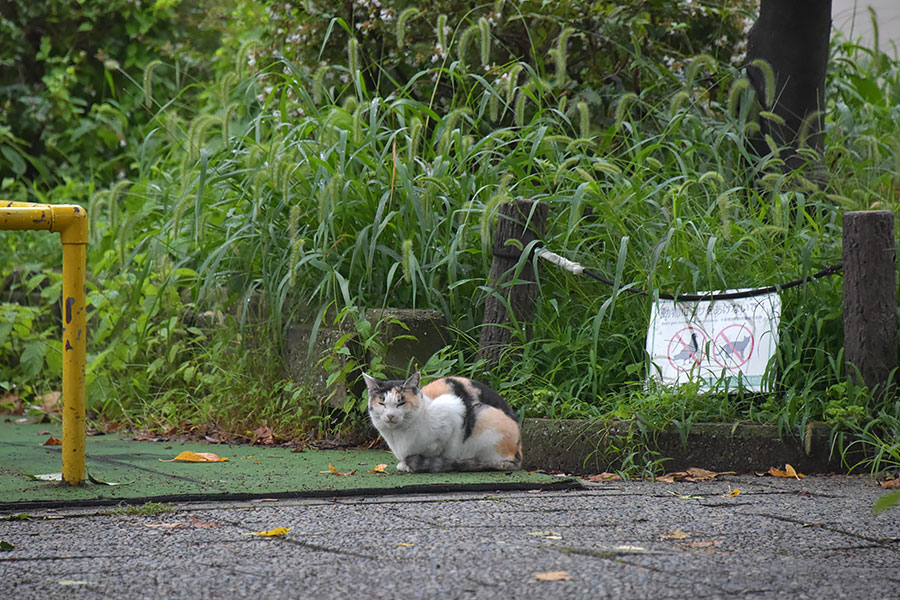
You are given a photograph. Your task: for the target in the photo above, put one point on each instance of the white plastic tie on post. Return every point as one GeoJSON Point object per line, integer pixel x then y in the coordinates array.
{"type": "Point", "coordinates": [556, 259]}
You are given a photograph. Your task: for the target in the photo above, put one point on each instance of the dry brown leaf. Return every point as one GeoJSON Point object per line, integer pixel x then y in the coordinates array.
{"type": "Point", "coordinates": [11, 404]}
{"type": "Point", "coordinates": [553, 576]}
{"type": "Point", "coordinates": [52, 441]}
{"type": "Point", "coordinates": [332, 471]}
{"type": "Point", "coordinates": [788, 473]}
{"type": "Point", "coordinates": [263, 435]}
{"type": "Point", "coordinates": [600, 477]}
{"type": "Point", "coordinates": [380, 468]}
{"type": "Point", "coordinates": [698, 474]}
{"type": "Point", "coordinates": [676, 534]}
{"type": "Point", "coordinates": [203, 524]}
{"type": "Point", "coordinates": [163, 525]}
{"type": "Point", "coordinates": [891, 484]}
{"type": "Point", "coordinates": [49, 402]}
{"type": "Point", "coordinates": [672, 477]}
{"type": "Point", "coordinates": [188, 456]}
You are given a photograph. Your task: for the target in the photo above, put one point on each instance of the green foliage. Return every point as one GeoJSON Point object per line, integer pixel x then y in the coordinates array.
{"type": "Point", "coordinates": [294, 191]}
{"type": "Point", "coordinates": [67, 104]}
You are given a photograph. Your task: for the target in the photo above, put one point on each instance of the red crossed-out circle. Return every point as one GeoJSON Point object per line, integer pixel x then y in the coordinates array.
{"type": "Point", "coordinates": [683, 354]}
{"type": "Point", "coordinates": [733, 346]}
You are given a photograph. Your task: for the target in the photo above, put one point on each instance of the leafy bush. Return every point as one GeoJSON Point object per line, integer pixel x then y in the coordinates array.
{"type": "Point", "coordinates": [68, 106]}
{"type": "Point", "coordinates": [581, 46]}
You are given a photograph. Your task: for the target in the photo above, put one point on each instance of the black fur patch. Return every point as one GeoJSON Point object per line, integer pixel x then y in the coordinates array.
{"type": "Point", "coordinates": [460, 391]}
{"type": "Point", "coordinates": [492, 398]}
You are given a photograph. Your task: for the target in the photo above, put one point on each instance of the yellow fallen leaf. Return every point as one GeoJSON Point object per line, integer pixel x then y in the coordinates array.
{"type": "Point", "coordinates": [405, 545]}
{"type": "Point", "coordinates": [272, 532]}
{"type": "Point", "coordinates": [789, 472]}
{"type": "Point", "coordinates": [677, 534]}
{"type": "Point", "coordinates": [553, 576]}
{"type": "Point", "coordinates": [731, 494]}
{"type": "Point", "coordinates": [332, 471]}
{"type": "Point", "coordinates": [188, 456]}
{"type": "Point", "coordinates": [379, 468]}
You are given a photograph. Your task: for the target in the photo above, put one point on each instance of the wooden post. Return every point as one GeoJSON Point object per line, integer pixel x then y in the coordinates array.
{"type": "Point", "coordinates": [870, 298]}
{"type": "Point", "coordinates": [522, 220]}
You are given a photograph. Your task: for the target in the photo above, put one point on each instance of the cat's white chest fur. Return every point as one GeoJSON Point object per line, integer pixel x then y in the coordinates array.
{"type": "Point", "coordinates": [429, 432]}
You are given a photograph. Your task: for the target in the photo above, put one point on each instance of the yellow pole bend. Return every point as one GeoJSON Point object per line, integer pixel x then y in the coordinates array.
{"type": "Point", "coordinates": [71, 222]}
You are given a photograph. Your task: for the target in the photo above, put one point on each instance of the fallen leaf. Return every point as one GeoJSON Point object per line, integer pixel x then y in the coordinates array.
{"type": "Point", "coordinates": [676, 534]}
{"type": "Point", "coordinates": [203, 524]}
{"type": "Point", "coordinates": [553, 576]}
{"type": "Point", "coordinates": [550, 535]}
{"type": "Point", "coordinates": [891, 484]}
{"type": "Point", "coordinates": [405, 545]}
{"type": "Point", "coordinates": [97, 481]}
{"type": "Point", "coordinates": [601, 477]}
{"type": "Point", "coordinates": [380, 468]}
{"type": "Point", "coordinates": [625, 548]}
{"type": "Point", "coordinates": [789, 472]}
{"type": "Point", "coordinates": [263, 435]}
{"type": "Point", "coordinates": [332, 471]}
{"type": "Point", "coordinates": [272, 532]}
{"type": "Point", "coordinates": [52, 441]}
{"type": "Point", "coordinates": [694, 475]}
{"type": "Point", "coordinates": [49, 403]}
{"type": "Point", "coordinates": [11, 404]}
{"type": "Point", "coordinates": [6, 546]}
{"type": "Point", "coordinates": [45, 476]}
{"type": "Point", "coordinates": [188, 456]}
{"type": "Point", "coordinates": [163, 525]}
{"type": "Point", "coordinates": [731, 494]}
{"type": "Point", "coordinates": [685, 496]}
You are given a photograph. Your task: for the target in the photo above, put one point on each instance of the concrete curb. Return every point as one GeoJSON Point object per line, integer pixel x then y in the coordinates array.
{"type": "Point", "coordinates": [575, 446]}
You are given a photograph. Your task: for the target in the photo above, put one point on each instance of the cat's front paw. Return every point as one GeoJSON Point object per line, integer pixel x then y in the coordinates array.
{"type": "Point", "coordinates": [402, 466]}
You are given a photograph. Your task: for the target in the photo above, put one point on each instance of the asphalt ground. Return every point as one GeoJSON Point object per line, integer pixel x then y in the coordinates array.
{"type": "Point", "coordinates": [775, 538]}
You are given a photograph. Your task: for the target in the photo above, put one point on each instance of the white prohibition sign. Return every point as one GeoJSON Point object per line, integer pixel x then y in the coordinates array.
{"type": "Point", "coordinates": [686, 348]}
{"type": "Point", "coordinates": [733, 346]}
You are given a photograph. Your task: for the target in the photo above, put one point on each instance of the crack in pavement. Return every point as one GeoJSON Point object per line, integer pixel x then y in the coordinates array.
{"type": "Point", "coordinates": [875, 540]}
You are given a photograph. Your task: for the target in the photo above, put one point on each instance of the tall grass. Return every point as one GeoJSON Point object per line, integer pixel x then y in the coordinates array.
{"type": "Point", "coordinates": [282, 201]}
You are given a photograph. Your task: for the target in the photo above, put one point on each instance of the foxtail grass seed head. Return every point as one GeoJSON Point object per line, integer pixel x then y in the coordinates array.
{"type": "Point", "coordinates": [405, 16]}
{"type": "Point", "coordinates": [485, 39]}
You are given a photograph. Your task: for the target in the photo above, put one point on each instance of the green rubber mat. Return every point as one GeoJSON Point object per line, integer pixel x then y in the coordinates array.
{"type": "Point", "coordinates": [141, 472]}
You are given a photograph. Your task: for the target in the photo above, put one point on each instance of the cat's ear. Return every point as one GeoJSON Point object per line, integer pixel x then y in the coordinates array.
{"type": "Point", "coordinates": [371, 383]}
{"type": "Point", "coordinates": [413, 381]}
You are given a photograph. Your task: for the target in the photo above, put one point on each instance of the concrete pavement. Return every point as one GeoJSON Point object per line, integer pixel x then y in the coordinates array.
{"type": "Point", "coordinates": [777, 538]}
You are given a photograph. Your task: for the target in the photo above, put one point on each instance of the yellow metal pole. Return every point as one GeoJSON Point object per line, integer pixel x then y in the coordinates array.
{"type": "Point", "coordinates": [71, 222]}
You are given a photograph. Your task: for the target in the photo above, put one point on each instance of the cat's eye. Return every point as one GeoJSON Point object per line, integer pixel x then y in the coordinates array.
{"type": "Point", "coordinates": [401, 402]}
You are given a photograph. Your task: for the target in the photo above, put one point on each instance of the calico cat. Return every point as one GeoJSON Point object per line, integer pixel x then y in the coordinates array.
{"type": "Point", "coordinates": [451, 424]}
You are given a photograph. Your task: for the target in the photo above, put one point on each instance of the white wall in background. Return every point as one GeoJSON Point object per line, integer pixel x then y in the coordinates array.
{"type": "Point", "coordinates": [852, 18]}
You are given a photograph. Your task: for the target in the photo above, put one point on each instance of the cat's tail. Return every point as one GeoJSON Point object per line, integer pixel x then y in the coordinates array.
{"type": "Point", "coordinates": [419, 463]}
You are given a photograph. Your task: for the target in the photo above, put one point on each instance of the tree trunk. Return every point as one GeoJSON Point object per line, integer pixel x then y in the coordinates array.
{"type": "Point", "coordinates": [792, 36]}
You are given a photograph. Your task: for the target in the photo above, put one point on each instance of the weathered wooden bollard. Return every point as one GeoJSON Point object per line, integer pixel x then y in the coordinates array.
{"type": "Point", "coordinates": [870, 298]}
{"type": "Point", "coordinates": [522, 220]}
